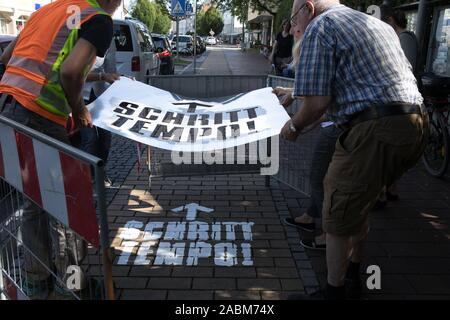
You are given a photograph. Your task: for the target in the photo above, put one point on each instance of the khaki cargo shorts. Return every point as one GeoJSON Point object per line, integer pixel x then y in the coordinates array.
{"type": "Point", "coordinates": [368, 157]}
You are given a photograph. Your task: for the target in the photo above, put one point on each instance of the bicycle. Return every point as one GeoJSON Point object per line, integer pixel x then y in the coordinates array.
{"type": "Point", "coordinates": [436, 93]}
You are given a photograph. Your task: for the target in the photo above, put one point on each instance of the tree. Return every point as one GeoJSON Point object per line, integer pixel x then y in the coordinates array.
{"type": "Point", "coordinates": [209, 20]}
{"type": "Point", "coordinates": [153, 14]}
{"type": "Point", "coordinates": [239, 8]}
{"type": "Point", "coordinates": [162, 21]}
{"type": "Point", "coordinates": [284, 12]}
{"type": "Point", "coordinates": [144, 11]}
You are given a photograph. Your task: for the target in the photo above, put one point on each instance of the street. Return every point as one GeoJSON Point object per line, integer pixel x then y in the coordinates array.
{"type": "Point", "coordinates": [228, 60]}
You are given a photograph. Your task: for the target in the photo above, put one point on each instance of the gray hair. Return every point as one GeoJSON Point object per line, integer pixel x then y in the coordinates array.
{"type": "Point", "coordinates": [322, 5]}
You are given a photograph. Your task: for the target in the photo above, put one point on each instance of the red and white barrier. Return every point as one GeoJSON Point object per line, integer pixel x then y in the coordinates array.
{"type": "Point", "coordinates": [55, 181]}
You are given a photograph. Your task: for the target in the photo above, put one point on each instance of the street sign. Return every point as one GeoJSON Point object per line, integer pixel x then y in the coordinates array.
{"type": "Point", "coordinates": [178, 8]}
{"type": "Point", "coordinates": [212, 33]}
{"type": "Point", "coordinates": [189, 8]}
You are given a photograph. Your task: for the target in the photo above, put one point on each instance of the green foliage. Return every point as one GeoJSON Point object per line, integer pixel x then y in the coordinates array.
{"type": "Point", "coordinates": [162, 22]}
{"type": "Point", "coordinates": [284, 12]}
{"type": "Point", "coordinates": [144, 11]}
{"type": "Point", "coordinates": [209, 20]}
{"type": "Point", "coordinates": [153, 14]}
{"type": "Point", "coordinates": [240, 7]}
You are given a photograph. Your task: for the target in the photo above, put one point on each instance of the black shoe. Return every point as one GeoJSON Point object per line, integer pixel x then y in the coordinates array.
{"type": "Point", "coordinates": [353, 288]}
{"type": "Point", "coordinates": [312, 245]}
{"type": "Point", "coordinates": [309, 227]}
{"type": "Point", "coordinates": [353, 282]}
{"type": "Point", "coordinates": [317, 295]}
{"type": "Point", "coordinates": [391, 196]}
{"type": "Point", "coordinates": [329, 293]}
{"type": "Point", "coordinates": [380, 205]}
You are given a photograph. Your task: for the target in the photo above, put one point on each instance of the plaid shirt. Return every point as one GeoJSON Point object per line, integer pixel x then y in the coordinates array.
{"type": "Point", "coordinates": [355, 58]}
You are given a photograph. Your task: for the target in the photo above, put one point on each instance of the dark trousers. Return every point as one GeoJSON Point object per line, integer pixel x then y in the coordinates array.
{"type": "Point", "coordinates": [323, 153]}
{"type": "Point", "coordinates": [96, 141]}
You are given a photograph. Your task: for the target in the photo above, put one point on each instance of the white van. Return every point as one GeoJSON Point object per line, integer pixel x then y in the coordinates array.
{"type": "Point", "coordinates": [185, 42]}
{"type": "Point", "coordinates": [136, 54]}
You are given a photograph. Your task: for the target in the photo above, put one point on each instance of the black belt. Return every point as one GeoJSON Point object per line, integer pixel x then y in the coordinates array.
{"type": "Point", "coordinates": [381, 111]}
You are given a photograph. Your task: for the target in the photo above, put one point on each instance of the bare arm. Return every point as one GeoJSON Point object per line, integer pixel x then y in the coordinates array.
{"type": "Point", "coordinates": [73, 78]}
{"type": "Point", "coordinates": [107, 77]}
{"type": "Point", "coordinates": [6, 56]}
{"type": "Point", "coordinates": [311, 112]}
{"type": "Point", "coordinates": [274, 50]}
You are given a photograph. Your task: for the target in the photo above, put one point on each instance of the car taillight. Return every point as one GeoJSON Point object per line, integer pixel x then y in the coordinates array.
{"type": "Point", "coordinates": [165, 54]}
{"type": "Point", "coordinates": [135, 64]}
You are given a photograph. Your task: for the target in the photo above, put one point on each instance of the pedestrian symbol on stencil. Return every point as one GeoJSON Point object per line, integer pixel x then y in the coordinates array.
{"type": "Point", "coordinates": [192, 210]}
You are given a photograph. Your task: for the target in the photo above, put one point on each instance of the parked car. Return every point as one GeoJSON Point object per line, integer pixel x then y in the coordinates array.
{"type": "Point", "coordinates": [201, 45]}
{"type": "Point", "coordinates": [185, 44]}
{"type": "Point", "coordinates": [165, 54]}
{"type": "Point", "coordinates": [136, 53]}
{"type": "Point", "coordinates": [211, 41]}
{"type": "Point", "coordinates": [5, 40]}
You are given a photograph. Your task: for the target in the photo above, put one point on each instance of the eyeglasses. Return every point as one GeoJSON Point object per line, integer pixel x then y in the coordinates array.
{"type": "Point", "coordinates": [293, 18]}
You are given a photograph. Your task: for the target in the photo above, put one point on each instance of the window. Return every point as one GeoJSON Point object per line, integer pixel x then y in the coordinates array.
{"type": "Point", "coordinates": [145, 43]}
{"type": "Point", "coordinates": [20, 23]}
{"type": "Point", "coordinates": [3, 26]}
{"type": "Point", "coordinates": [160, 42]}
{"type": "Point", "coordinates": [411, 17]}
{"type": "Point", "coordinates": [122, 38]}
{"type": "Point", "coordinates": [440, 51]}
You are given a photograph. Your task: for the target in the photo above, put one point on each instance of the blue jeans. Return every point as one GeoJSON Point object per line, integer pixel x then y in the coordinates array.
{"type": "Point", "coordinates": [323, 153]}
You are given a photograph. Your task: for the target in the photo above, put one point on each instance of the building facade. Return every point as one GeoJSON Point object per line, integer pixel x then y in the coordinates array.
{"type": "Point", "coordinates": [15, 14]}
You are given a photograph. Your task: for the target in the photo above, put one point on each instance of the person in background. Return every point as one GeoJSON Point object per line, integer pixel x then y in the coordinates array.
{"type": "Point", "coordinates": [282, 48]}
{"type": "Point", "coordinates": [322, 154]}
{"type": "Point", "coordinates": [97, 141]}
{"type": "Point", "coordinates": [408, 40]}
{"type": "Point", "coordinates": [410, 45]}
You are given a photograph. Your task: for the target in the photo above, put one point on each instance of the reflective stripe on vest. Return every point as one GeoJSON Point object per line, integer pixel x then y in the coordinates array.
{"type": "Point", "coordinates": [42, 79]}
{"type": "Point", "coordinates": [22, 83]}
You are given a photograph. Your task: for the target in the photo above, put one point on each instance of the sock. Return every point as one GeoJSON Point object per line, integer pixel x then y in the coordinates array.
{"type": "Point", "coordinates": [335, 293]}
{"type": "Point", "coordinates": [353, 270]}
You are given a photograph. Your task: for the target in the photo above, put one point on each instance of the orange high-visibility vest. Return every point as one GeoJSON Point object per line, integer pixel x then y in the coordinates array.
{"type": "Point", "coordinates": [32, 75]}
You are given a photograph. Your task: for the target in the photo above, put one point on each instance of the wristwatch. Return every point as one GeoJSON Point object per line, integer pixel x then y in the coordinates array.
{"type": "Point", "coordinates": [292, 127]}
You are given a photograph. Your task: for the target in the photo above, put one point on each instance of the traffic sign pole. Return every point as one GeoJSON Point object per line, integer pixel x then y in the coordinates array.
{"type": "Point", "coordinates": [195, 37]}
{"type": "Point", "coordinates": [178, 37]}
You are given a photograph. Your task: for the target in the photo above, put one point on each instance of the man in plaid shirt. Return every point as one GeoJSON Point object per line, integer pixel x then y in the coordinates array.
{"type": "Point", "coordinates": [353, 69]}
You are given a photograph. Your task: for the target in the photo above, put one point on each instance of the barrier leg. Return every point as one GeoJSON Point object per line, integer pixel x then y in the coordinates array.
{"type": "Point", "coordinates": [269, 151]}
{"type": "Point", "coordinates": [2, 286]}
{"type": "Point", "coordinates": [104, 235]}
{"type": "Point", "coordinates": [149, 162]}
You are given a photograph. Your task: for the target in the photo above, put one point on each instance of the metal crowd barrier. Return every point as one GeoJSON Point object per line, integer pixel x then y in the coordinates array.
{"type": "Point", "coordinates": [295, 157]}
{"type": "Point", "coordinates": [70, 232]}
{"type": "Point", "coordinates": [206, 88]}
